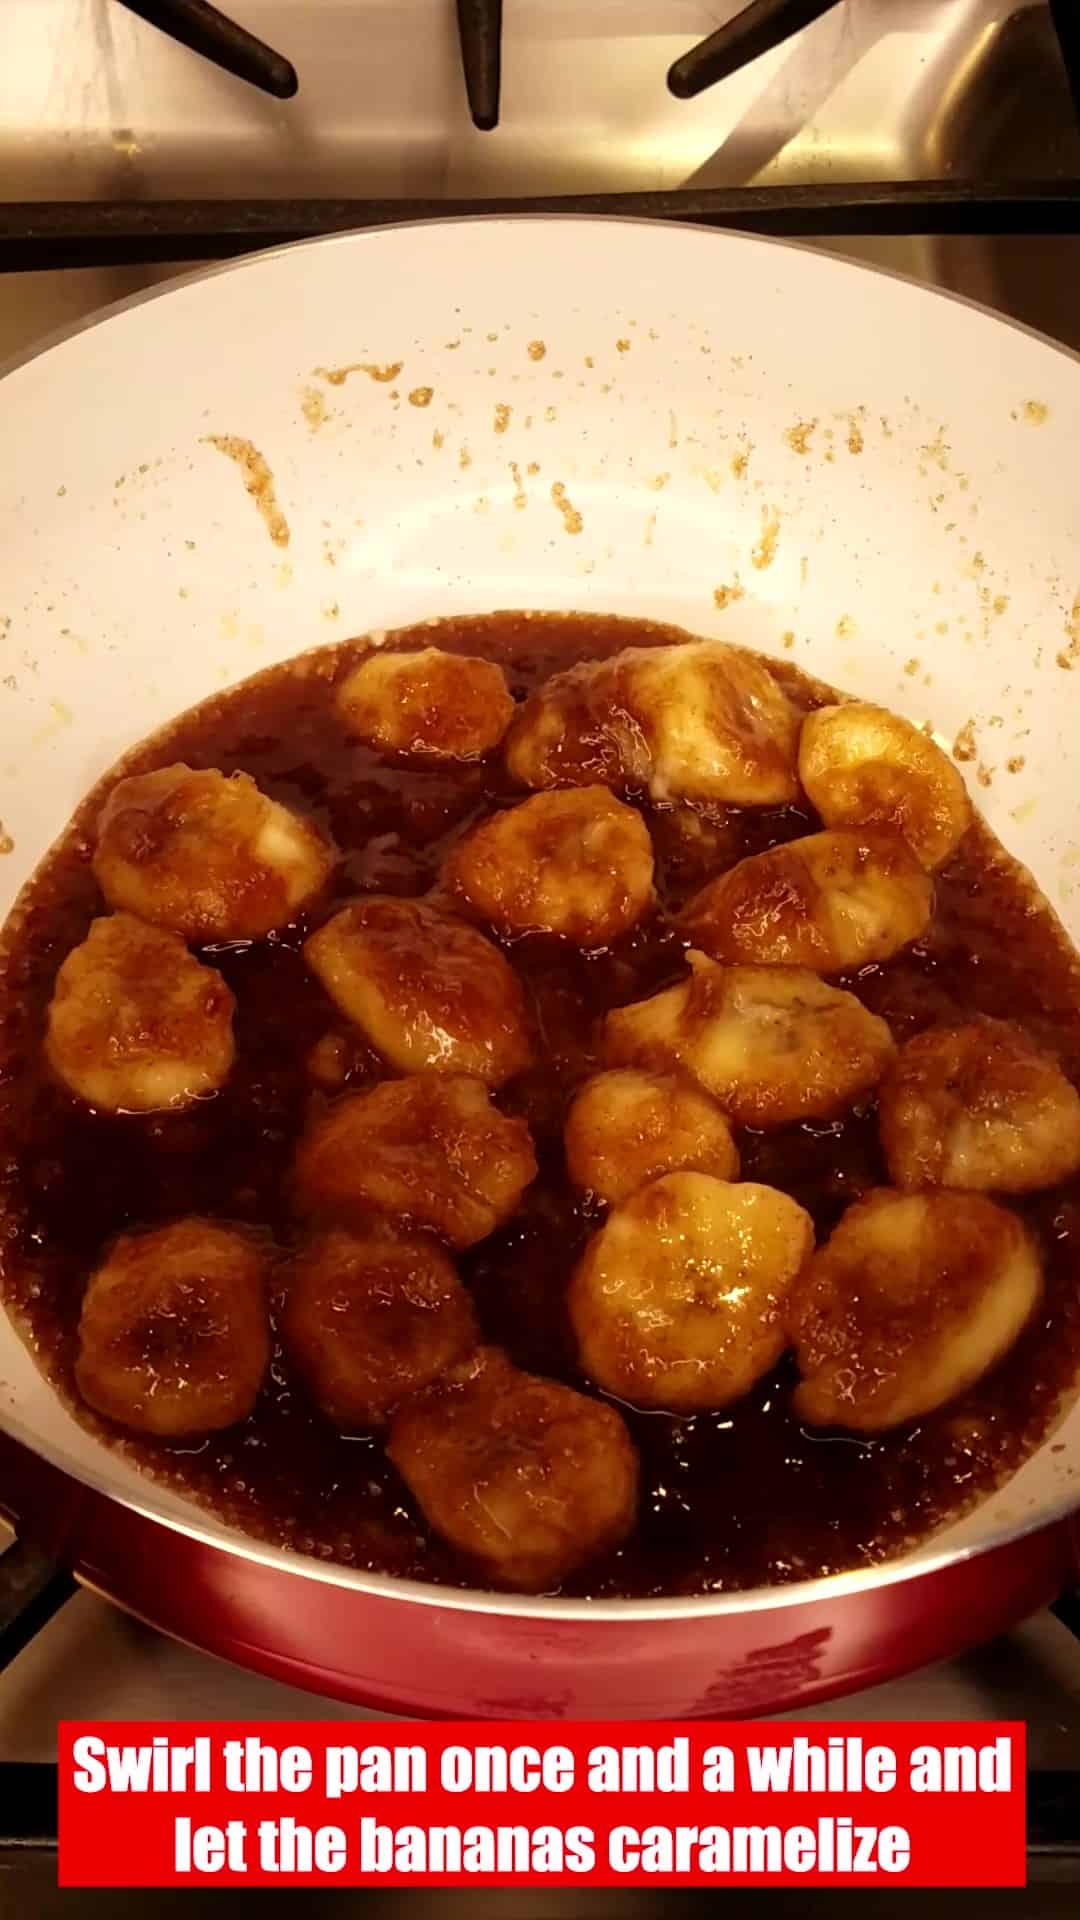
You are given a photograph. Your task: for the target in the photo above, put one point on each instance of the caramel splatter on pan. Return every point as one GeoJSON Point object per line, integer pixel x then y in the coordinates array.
{"type": "Point", "coordinates": [964, 746]}
{"type": "Point", "coordinates": [1069, 655]}
{"type": "Point", "coordinates": [726, 596]}
{"type": "Point", "coordinates": [799, 436]}
{"type": "Point", "coordinates": [313, 407]}
{"type": "Point", "coordinates": [765, 551]}
{"type": "Point", "coordinates": [572, 519]}
{"type": "Point", "coordinates": [337, 376]}
{"type": "Point", "coordinates": [258, 481]}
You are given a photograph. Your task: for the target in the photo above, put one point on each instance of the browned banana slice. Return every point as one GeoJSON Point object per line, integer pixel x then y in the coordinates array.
{"type": "Point", "coordinates": [174, 1335]}
{"type": "Point", "coordinates": [524, 1476]}
{"type": "Point", "coordinates": [911, 1300]}
{"type": "Point", "coordinates": [207, 854]}
{"type": "Point", "coordinates": [678, 1301]}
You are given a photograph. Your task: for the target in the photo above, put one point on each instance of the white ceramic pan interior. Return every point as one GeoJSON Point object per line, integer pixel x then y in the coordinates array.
{"type": "Point", "coordinates": [581, 415]}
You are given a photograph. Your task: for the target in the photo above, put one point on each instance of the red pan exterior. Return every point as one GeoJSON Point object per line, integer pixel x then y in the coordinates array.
{"type": "Point", "coordinates": [377, 1651]}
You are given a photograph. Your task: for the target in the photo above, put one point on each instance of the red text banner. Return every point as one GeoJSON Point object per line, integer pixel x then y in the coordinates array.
{"type": "Point", "coordinates": [494, 1805]}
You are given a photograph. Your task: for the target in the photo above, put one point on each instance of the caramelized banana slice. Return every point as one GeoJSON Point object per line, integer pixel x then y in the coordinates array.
{"type": "Point", "coordinates": [771, 1044]}
{"type": "Point", "coordinates": [136, 1024]}
{"type": "Point", "coordinates": [628, 1127]}
{"type": "Point", "coordinates": [979, 1106]}
{"type": "Point", "coordinates": [432, 1151]}
{"type": "Point", "coordinates": [442, 705]}
{"type": "Point", "coordinates": [207, 855]}
{"type": "Point", "coordinates": [678, 1301]}
{"type": "Point", "coordinates": [833, 902]}
{"type": "Point", "coordinates": [369, 1320]}
{"type": "Point", "coordinates": [911, 1300]}
{"type": "Point", "coordinates": [526, 1477]}
{"type": "Point", "coordinates": [703, 721]}
{"type": "Point", "coordinates": [578, 863]}
{"type": "Point", "coordinates": [431, 994]}
{"type": "Point", "coordinates": [174, 1336]}
{"type": "Point", "coordinates": [862, 766]}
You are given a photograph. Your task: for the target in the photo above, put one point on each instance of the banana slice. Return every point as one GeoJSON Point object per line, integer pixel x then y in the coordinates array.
{"type": "Point", "coordinates": [912, 1299]}
{"type": "Point", "coordinates": [628, 1127]}
{"type": "Point", "coordinates": [578, 864]}
{"type": "Point", "coordinates": [445, 706]}
{"type": "Point", "coordinates": [431, 1151]}
{"type": "Point", "coordinates": [863, 766]}
{"type": "Point", "coordinates": [832, 901]}
{"type": "Point", "coordinates": [701, 721]}
{"type": "Point", "coordinates": [136, 1024]}
{"type": "Point", "coordinates": [368, 1320]}
{"type": "Point", "coordinates": [174, 1334]}
{"type": "Point", "coordinates": [678, 1301]}
{"type": "Point", "coordinates": [978, 1106]}
{"type": "Point", "coordinates": [431, 994]}
{"type": "Point", "coordinates": [207, 854]}
{"type": "Point", "coordinates": [771, 1044]}
{"type": "Point", "coordinates": [526, 1477]}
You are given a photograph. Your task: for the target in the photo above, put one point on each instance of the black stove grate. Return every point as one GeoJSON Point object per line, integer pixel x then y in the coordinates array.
{"type": "Point", "coordinates": [754, 30]}
{"type": "Point", "coordinates": [57, 235]}
{"type": "Point", "coordinates": [53, 234]}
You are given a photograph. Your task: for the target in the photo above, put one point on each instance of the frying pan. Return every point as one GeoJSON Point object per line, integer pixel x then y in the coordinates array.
{"type": "Point", "coordinates": [687, 393]}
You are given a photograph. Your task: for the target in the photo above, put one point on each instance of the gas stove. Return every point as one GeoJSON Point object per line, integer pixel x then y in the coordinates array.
{"type": "Point", "coordinates": [120, 144]}
{"type": "Point", "coordinates": [935, 137]}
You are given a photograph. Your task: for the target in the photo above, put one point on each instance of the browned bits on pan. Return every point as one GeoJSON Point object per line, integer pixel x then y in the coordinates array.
{"type": "Point", "coordinates": [430, 993]}
{"type": "Point", "coordinates": [771, 1044]}
{"type": "Point", "coordinates": [525, 1477]}
{"type": "Point", "coordinates": [979, 1106]}
{"type": "Point", "coordinates": [911, 1300]}
{"type": "Point", "coordinates": [833, 901]}
{"type": "Point", "coordinates": [432, 1151]}
{"type": "Point", "coordinates": [626, 1127]}
{"type": "Point", "coordinates": [578, 863]}
{"type": "Point", "coordinates": [703, 721]}
{"type": "Point", "coordinates": [258, 481]}
{"type": "Point", "coordinates": [426, 703]}
{"type": "Point", "coordinates": [369, 1319]}
{"type": "Point", "coordinates": [207, 854]}
{"type": "Point", "coordinates": [135, 1023]}
{"type": "Point", "coordinates": [174, 1336]}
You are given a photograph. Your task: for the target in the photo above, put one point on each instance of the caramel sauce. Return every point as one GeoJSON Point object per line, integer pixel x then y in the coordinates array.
{"type": "Point", "coordinates": [732, 1500]}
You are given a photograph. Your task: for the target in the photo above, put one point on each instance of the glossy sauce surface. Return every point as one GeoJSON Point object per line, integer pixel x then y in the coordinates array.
{"type": "Point", "coordinates": [732, 1500]}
